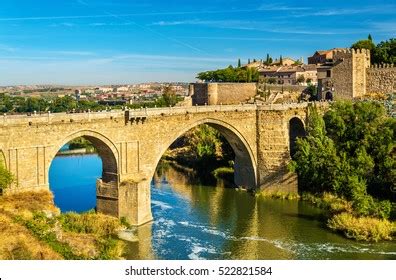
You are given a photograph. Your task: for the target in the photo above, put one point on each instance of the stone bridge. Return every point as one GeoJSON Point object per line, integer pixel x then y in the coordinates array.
{"type": "Point", "coordinates": [131, 143]}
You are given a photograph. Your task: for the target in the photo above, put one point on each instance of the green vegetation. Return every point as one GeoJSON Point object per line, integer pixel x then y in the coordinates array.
{"type": "Point", "coordinates": [384, 52]}
{"type": "Point", "coordinates": [6, 178]}
{"type": "Point", "coordinates": [205, 150]}
{"type": "Point", "coordinates": [230, 75]}
{"type": "Point", "coordinates": [19, 104]}
{"type": "Point", "coordinates": [32, 228]}
{"type": "Point", "coordinates": [168, 98]}
{"type": "Point", "coordinates": [226, 173]}
{"type": "Point", "coordinates": [81, 143]}
{"type": "Point", "coordinates": [362, 228]}
{"type": "Point", "coordinates": [350, 153]}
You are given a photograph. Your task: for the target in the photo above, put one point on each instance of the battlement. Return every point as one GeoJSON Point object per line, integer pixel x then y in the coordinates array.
{"type": "Point", "coordinates": [383, 66]}
{"type": "Point", "coordinates": [351, 51]}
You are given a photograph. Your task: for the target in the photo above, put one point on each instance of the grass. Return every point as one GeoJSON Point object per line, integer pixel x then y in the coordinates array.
{"type": "Point", "coordinates": [33, 228]}
{"type": "Point", "coordinates": [90, 222]}
{"type": "Point", "coordinates": [17, 243]}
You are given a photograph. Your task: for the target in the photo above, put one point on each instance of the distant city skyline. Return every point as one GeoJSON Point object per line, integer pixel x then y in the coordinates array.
{"type": "Point", "coordinates": [99, 42]}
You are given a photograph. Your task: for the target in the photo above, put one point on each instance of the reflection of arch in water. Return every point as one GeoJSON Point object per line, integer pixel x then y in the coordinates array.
{"type": "Point", "coordinates": [245, 167]}
{"type": "Point", "coordinates": [105, 148]}
{"type": "Point", "coordinates": [296, 129]}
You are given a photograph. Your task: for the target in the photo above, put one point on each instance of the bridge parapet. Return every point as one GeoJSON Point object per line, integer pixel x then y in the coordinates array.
{"type": "Point", "coordinates": [6, 120]}
{"type": "Point", "coordinates": [147, 112]}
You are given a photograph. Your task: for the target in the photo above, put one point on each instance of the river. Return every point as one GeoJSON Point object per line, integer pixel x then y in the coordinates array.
{"type": "Point", "coordinates": [192, 221]}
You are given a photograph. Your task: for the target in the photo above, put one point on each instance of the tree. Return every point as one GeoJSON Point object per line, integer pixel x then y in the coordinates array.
{"type": "Point", "coordinates": [370, 38]}
{"type": "Point", "coordinates": [364, 44]}
{"type": "Point", "coordinates": [267, 60]}
{"type": "Point", "coordinates": [239, 63]}
{"type": "Point", "coordinates": [385, 52]}
{"type": "Point", "coordinates": [301, 79]}
{"type": "Point", "coordinates": [169, 96]}
{"type": "Point", "coordinates": [281, 60]}
{"type": "Point", "coordinates": [351, 153]}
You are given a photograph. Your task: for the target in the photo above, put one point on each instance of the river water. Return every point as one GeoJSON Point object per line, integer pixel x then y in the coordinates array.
{"type": "Point", "coordinates": [192, 221]}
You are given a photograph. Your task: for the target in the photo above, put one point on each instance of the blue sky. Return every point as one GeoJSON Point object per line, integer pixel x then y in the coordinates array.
{"type": "Point", "coordinates": [81, 42]}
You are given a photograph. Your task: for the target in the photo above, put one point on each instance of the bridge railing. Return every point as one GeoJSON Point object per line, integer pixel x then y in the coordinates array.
{"type": "Point", "coordinates": [191, 109]}
{"type": "Point", "coordinates": [58, 117]}
{"type": "Point", "coordinates": [142, 112]}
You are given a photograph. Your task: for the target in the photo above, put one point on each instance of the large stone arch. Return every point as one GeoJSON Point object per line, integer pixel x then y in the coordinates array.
{"type": "Point", "coordinates": [245, 161]}
{"type": "Point", "coordinates": [105, 147]}
{"type": "Point", "coordinates": [296, 129]}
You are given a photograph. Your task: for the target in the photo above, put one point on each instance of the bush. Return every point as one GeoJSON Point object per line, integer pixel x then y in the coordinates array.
{"type": "Point", "coordinates": [6, 178]}
{"type": "Point", "coordinates": [362, 228]}
{"type": "Point", "coordinates": [90, 222]}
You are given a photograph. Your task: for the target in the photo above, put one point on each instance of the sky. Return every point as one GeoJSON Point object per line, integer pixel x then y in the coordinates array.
{"type": "Point", "coordinates": [92, 42]}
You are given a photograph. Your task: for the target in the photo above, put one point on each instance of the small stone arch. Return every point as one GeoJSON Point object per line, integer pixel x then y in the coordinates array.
{"type": "Point", "coordinates": [245, 161]}
{"type": "Point", "coordinates": [329, 96]}
{"type": "Point", "coordinates": [296, 129]}
{"type": "Point", "coordinates": [106, 150]}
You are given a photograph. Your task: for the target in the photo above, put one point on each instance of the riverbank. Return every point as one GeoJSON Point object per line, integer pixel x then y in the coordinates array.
{"type": "Point", "coordinates": [340, 216]}
{"type": "Point", "coordinates": [31, 227]}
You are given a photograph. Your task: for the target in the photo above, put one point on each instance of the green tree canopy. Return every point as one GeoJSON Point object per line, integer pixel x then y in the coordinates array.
{"type": "Point", "coordinates": [350, 151]}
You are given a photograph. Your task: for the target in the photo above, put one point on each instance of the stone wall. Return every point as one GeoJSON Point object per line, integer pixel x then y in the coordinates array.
{"type": "Point", "coordinates": [381, 79]}
{"type": "Point", "coordinates": [341, 75]}
{"type": "Point", "coordinates": [222, 93]}
{"type": "Point", "coordinates": [360, 63]}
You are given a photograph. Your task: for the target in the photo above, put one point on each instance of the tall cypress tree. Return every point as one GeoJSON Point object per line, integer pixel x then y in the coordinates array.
{"type": "Point", "coordinates": [239, 63]}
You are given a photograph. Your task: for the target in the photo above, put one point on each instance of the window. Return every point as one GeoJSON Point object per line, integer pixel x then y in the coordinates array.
{"type": "Point", "coordinates": [328, 73]}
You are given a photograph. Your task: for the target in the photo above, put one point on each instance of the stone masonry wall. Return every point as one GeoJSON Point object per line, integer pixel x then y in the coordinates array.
{"type": "Point", "coordinates": [381, 79]}
{"type": "Point", "coordinates": [341, 76]}
{"type": "Point", "coordinates": [222, 93]}
{"type": "Point", "coordinates": [360, 63]}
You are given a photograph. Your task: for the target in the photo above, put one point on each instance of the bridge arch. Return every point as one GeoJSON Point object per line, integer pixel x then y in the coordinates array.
{"type": "Point", "coordinates": [296, 129]}
{"type": "Point", "coordinates": [245, 162]}
{"type": "Point", "coordinates": [105, 148]}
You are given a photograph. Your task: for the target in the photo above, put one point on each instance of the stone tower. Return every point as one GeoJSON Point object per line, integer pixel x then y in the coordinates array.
{"type": "Point", "coordinates": [349, 73]}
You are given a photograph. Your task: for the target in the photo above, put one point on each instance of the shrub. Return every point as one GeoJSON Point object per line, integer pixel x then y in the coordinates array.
{"type": "Point", "coordinates": [362, 228]}
{"type": "Point", "coordinates": [6, 178]}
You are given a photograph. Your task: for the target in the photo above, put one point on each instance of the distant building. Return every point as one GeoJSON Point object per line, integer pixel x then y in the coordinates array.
{"type": "Point", "coordinates": [123, 89]}
{"type": "Point", "coordinates": [290, 75]}
{"type": "Point", "coordinates": [322, 57]}
{"type": "Point", "coordinates": [105, 89]}
{"type": "Point", "coordinates": [287, 61]}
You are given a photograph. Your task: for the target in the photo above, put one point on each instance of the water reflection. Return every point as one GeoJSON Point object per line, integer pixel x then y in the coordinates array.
{"type": "Point", "coordinates": [192, 221]}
